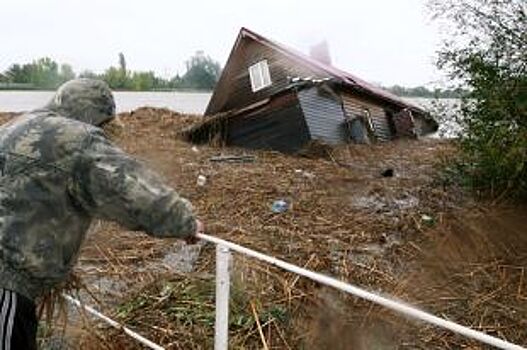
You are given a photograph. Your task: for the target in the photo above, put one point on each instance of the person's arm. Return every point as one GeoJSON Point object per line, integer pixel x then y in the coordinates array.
{"type": "Point", "coordinates": [112, 185]}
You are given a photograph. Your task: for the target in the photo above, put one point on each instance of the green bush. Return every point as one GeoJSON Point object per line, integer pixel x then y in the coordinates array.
{"type": "Point", "coordinates": [486, 54]}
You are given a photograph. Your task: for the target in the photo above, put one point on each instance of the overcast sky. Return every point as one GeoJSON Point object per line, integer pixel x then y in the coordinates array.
{"type": "Point", "coordinates": [383, 41]}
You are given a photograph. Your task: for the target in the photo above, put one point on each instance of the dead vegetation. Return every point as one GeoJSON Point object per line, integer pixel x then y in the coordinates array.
{"type": "Point", "coordinates": [408, 235]}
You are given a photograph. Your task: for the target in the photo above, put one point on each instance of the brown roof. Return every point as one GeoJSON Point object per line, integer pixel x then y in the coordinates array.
{"type": "Point", "coordinates": [347, 79]}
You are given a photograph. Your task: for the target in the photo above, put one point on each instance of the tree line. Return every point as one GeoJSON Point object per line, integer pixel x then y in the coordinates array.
{"type": "Point", "coordinates": [421, 91]}
{"type": "Point", "coordinates": [202, 73]}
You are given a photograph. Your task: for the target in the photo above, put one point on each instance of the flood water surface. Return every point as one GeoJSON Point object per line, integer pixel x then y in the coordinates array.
{"type": "Point", "coordinates": [184, 102]}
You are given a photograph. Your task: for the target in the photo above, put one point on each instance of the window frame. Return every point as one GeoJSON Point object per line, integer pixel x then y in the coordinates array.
{"type": "Point", "coordinates": [260, 75]}
{"type": "Point", "coordinates": [367, 115]}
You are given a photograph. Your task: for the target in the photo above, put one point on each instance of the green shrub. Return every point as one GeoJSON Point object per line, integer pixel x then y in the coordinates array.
{"type": "Point", "coordinates": [486, 54]}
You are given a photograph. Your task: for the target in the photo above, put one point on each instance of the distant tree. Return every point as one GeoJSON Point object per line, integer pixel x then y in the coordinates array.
{"type": "Point", "coordinates": [42, 73]}
{"type": "Point", "coordinates": [19, 74]}
{"type": "Point", "coordinates": [66, 72]}
{"type": "Point", "coordinates": [160, 83]}
{"type": "Point", "coordinates": [202, 72]}
{"type": "Point", "coordinates": [421, 91]}
{"type": "Point", "coordinates": [114, 78]}
{"type": "Point", "coordinates": [486, 52]}
{"type": "Point", "coordinates": [118, 78]}
{"type": "Point", "coordinates": [45, 73]}
{"type": "Point", "coordinates": [175, 82]}
{"type": "Point", "coordinates": [89, 74]}
{"type": "Point", "coordinates": [122, 63]}
{"type": "Point", "coordinates": [142, 81]}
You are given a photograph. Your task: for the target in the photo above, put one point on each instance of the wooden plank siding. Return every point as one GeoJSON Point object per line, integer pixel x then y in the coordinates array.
{"type": "Point", "coordinates": [354, 105]}
{"type": "Point", "coordinates": [324, 116]}
{"type": "Point", "coordinates": [234, 88]}
{"type": "Point", "coordinates": [279, 125]}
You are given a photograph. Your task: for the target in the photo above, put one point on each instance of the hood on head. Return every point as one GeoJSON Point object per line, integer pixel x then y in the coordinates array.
{"type": "Point", "coordinates": [87, 100]}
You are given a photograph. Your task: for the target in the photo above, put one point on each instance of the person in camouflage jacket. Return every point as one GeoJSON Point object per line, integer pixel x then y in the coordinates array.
{"type": "Point", "coordinates": [58, 172]}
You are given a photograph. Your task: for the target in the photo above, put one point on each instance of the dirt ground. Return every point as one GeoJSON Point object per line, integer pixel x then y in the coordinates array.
{"type": "Point", "coordinates": [414, 235]}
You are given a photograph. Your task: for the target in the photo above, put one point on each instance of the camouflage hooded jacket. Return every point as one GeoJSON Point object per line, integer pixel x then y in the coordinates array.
{"type": "Point", "coordinates": [58, 171]}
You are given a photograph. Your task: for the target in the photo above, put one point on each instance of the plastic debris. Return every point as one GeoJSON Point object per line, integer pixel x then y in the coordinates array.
{"type": "Point", "coordinates": [202, 180]}
{"type": "Point", "coordinates": [233, 159]}
{"type": "Point", "coordinates": [280, 206]}
{"type": "Point", "coordinates": [304, 173]}
{"type": "Point", "coordinates": [427, 219]}
{"type": "Point", "coordinates": [308, 175]}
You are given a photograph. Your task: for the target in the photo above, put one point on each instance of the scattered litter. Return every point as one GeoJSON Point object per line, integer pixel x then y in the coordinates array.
{"type": "Point", "coordinates": [234, 159]}
{"type": "Point", "coordinates": [406, 202]}
{"type": "Point", "coordinates": [304, 173]}
{"type": "Point", "coordinates": [308, 175]}
{"type": "Point", "coordinates": [382, 203]}
{"type": "Point", "coordinates": [280, 206]}
{"type": "Point", "coordinates": [195, 149]}
{"type": "Point", "coordinates": [427, 219]}
{"type": "Point", "coordinates": [372, 202]}
{"type": "Point", "coordinates": [202, 180]}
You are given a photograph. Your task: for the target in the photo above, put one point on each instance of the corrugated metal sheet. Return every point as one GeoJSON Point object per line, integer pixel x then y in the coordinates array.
{"type": "Point", "coordinates": [283, 130]}
{"type": "Point", "coordinates": [324, 115]}
{"type": "Point", "coordinates": [355, 106]}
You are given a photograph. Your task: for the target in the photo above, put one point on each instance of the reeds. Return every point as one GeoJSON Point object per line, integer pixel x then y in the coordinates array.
{"type": "Point", "coordinates": [344, 219]}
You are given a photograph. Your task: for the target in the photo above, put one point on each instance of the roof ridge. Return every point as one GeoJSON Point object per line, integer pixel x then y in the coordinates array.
{"type": "Point", "coordinates": [338, 73]}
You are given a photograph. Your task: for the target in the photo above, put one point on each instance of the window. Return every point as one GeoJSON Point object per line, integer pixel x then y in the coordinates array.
{"type": "Point", "coordinates": [260, 76]}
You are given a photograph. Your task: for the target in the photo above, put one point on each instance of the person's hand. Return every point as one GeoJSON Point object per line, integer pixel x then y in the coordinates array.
{"type": "Point", "coordinates": [200, 228]}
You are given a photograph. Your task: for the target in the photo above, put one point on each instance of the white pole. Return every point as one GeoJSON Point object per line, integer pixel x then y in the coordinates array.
{"type": "Point", "coordinates": [364, 294]}
{"type": "Point", "coordinates": [113, 323]}
{"type": "Point", "coordinates": [221, 328]}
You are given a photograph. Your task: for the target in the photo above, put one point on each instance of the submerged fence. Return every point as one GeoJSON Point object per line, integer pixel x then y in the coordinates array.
{"type": "Point", "coordinates": [223, 258]}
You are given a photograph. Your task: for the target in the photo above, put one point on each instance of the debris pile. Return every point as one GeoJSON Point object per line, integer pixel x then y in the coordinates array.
{"type": "Point", "coordinates": [342, 217]}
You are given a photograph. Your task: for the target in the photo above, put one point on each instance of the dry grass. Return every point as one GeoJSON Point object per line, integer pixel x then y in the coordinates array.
{"type": "Point", "coordinates": [345, 220]}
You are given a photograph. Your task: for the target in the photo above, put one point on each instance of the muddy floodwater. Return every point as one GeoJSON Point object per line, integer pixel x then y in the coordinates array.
{"type": "Point", "coordinates": [183, 102]}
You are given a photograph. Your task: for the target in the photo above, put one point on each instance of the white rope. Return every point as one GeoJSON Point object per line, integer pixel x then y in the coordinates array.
{"type": "Point", "coordinates": [373, 297]}
{"type": "Point", "coordinates": [113, 323]}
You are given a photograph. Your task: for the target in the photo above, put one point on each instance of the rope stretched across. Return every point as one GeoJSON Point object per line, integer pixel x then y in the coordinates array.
{"type": "Point", "coordinates": [385, 301]}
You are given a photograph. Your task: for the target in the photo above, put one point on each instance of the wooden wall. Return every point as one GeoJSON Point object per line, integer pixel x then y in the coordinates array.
{"type": "Point", "coordinates": [234, 88]}
{"type": "Point", "coordinates": [277, 126]}
{"type": "Point", "coordinates": [355, 106]}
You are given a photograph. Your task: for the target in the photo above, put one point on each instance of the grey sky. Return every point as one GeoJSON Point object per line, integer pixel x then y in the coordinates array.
{"type": "Point", "coordinates": [379, 40]}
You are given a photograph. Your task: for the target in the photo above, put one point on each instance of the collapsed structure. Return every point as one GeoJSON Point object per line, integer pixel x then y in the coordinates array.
{"type": "Point", "coordinates": [273, 97]}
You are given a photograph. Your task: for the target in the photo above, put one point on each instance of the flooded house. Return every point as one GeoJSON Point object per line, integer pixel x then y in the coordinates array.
{"type": "Point", "coordinates": [273, 97]}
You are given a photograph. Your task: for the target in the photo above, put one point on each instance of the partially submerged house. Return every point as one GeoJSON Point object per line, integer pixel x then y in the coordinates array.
{"type": "Point", "coordinates": [271, 96]}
